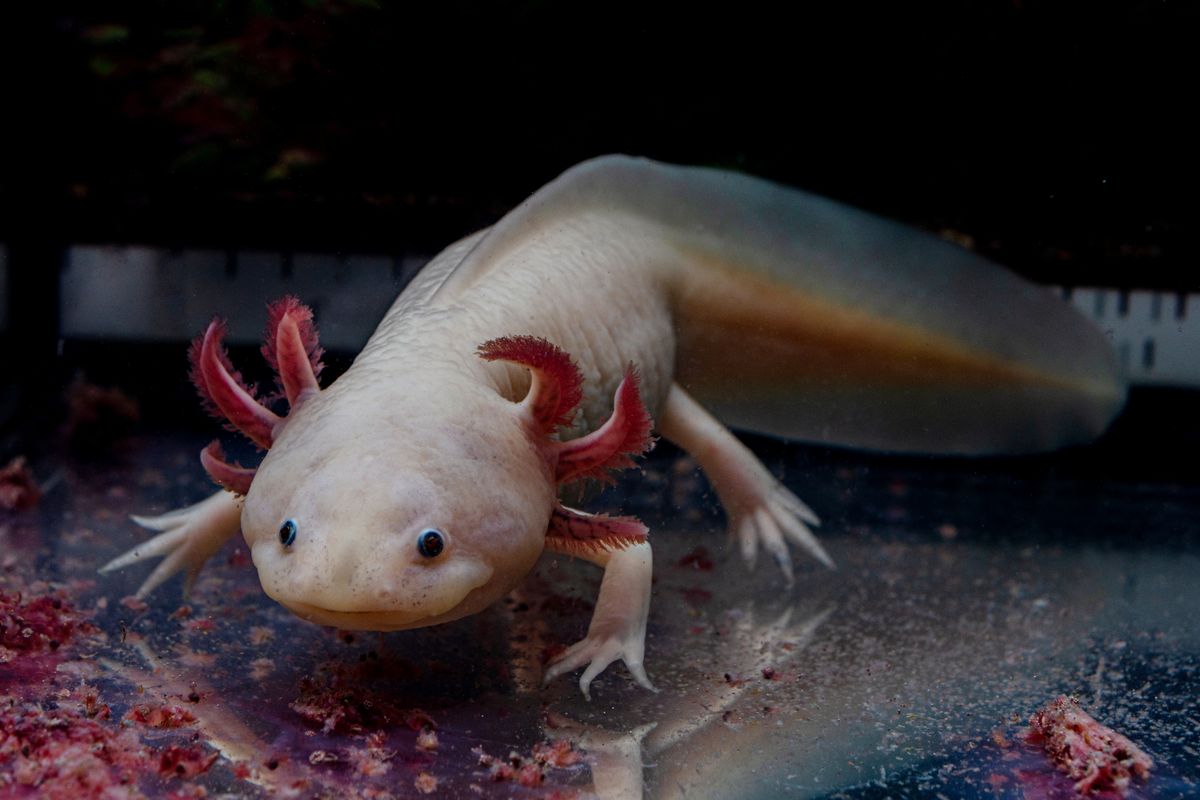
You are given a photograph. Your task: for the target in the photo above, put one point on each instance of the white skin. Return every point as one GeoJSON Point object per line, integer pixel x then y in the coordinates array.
{"type": "Point", "coordinates": [619, 263]}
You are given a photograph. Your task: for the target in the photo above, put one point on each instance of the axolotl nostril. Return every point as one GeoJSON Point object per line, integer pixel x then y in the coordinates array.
{"type": "Point", "coordinates": [625, 296]}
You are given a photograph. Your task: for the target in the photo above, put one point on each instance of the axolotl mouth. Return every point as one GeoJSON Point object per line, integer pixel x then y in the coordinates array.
{"type": "Point", "coordinates": [382, 620]}
{"type": "Point", "coordinates": [458, 589]}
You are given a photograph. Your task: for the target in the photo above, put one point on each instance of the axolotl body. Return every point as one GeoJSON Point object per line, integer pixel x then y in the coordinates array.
{"type": "Point", "coordinates": [423, 484]}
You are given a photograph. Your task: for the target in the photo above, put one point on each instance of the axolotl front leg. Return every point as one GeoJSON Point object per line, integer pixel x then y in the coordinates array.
{"type": "Point", "coordinates": [617, 544]}
{"type": "Point", "coordinates": [618, 626]}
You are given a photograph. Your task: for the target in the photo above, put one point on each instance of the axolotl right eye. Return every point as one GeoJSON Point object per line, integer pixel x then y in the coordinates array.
{"type": "Point", "coordinates": [431, 542]}
{"type": "Point", "coordinates": [287, 532]}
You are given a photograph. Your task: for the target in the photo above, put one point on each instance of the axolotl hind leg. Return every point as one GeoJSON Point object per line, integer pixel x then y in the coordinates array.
{"type": "Point", "coordinates": [760, 509]}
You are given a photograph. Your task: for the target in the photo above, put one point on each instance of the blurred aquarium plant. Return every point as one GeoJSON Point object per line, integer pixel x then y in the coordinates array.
{"type": "Point", "coordinates": [231, 82]}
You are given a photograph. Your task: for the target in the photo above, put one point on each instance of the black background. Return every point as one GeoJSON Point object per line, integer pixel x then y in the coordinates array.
{"type": "Point", "coordinates": [1060, 136]}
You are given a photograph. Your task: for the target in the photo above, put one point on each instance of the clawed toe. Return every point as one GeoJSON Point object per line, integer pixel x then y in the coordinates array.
{"type": "Point", "coordinates": [597, 654]}
{"type": "Point", "coordinates": [188, 538]}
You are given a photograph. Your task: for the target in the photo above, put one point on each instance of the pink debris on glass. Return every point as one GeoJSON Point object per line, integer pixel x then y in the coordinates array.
{"type": "Point", "coordinates": [1096, 757]}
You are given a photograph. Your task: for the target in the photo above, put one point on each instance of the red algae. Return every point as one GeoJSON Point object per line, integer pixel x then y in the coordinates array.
{"type": "Point", "coordinates": [1096, 757]}
{"type": "Point", "coordinates": [18, 490]}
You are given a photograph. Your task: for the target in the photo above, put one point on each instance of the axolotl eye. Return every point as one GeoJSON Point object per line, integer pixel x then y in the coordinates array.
{"type": "Point", "coordinates": [431, 542]}
{"type": "Point", "coordinates": [287, 532]}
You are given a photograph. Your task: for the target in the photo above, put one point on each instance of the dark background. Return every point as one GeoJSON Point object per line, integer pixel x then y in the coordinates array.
{"type": "Point", "coordinates": [1058, 136]}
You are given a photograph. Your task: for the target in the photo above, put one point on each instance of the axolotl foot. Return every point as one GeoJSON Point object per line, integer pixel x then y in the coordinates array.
{"type": "Point", "coordinates": [188, 538]}
{"type": "Point", "coordinates": [766, 513]}
{"type": "Point", "coordinates": [760, 509]}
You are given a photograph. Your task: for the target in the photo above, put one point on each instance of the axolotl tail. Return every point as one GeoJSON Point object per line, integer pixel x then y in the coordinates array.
{"type": "Point", "coordinates": [809, 319]}
{"type": "Point", "coordinates": [800, 317]}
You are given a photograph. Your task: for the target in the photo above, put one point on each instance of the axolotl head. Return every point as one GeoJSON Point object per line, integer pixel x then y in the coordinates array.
{"type": "Point", "coordinates": [384, 510]}
{"type": "Point", "coordinates": [388, 518]}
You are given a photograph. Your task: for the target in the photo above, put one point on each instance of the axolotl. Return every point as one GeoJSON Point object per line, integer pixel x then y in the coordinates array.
{"type": "Point", "coordinates": [626, 297]}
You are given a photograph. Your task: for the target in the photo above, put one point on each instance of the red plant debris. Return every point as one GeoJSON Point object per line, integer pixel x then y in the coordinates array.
{"type": "Point", "coordinates": [61, 753]}
{"type": "Point", "coordinates": [530, 770]}
{"type": "Point", "coordinates": [418, 720]}
{"type": "Point", "coordinates": [1096, 757]}
{"type": "Point", "coordinates": [340, 699]}
{"type": "Point", "coordinates": [164, 716]}
{"type": "Point", "coordinates": [425, 783]}
{"type": "Point", "coordinates": [556, 753]}
{"type": "Point", "coordinates": [427, 739]}
{"type": "Point", "coordinates": [43, 623]}
{"type": "Point", "coordinates": [135, 604]}
{"type": "Point", "coordinates": [201, 625]}
{"type": "Point", "coordinates": [698, 559]}
{"type": "Point", "coordinates": [69, 746]}
{"type": "Point", "coordinates": [184, 762]}
{"type": "Point", "coordinates": [695, 597]}
{"type": "Point", "coordinates": [371, 761]}
{"type": "Point", "coordinates": [97, 417]}
{"type": "Point", "coordinates": [18, 490]}
{"type": "Point", "coordinates": [734, 680]}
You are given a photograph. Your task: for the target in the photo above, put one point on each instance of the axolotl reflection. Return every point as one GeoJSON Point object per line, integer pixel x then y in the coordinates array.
{"type": "Point", "coordinates": [626, 295]}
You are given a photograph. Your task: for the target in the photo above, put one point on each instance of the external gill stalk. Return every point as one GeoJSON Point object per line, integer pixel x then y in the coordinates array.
{"type": "Point", "coordinates": [554, 393]}
{"type": "Point", "coordinates": [613, 445]}
{"type": "Point", "coordinates": [231, 477]}
{"type": "Point", "coordinates": [291, 348]}
{"type": "Point", "coordinates": [557, 384]}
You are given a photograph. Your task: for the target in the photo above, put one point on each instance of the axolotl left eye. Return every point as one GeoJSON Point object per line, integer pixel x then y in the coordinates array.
{"type": "Point", "coordinates": [431, 542]}
{"type": "Point", "coordinates": [287, 532]}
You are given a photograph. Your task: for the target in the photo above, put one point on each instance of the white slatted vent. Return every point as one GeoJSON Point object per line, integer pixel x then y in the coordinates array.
{"type": "Point", "coordinates": [149, 294]}
{"type": "Point", "coordinates": [146, 293]}
{"type": "Point", "coordinates": [1156, 334]}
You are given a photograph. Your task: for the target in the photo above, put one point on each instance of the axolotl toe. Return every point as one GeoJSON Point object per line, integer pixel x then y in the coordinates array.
{"type": "Point", "coordinates": [624, 297]}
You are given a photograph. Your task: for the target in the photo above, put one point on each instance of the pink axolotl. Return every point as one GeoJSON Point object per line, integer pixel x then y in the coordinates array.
{"type": "Point", "coordinates": [423, 484]}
